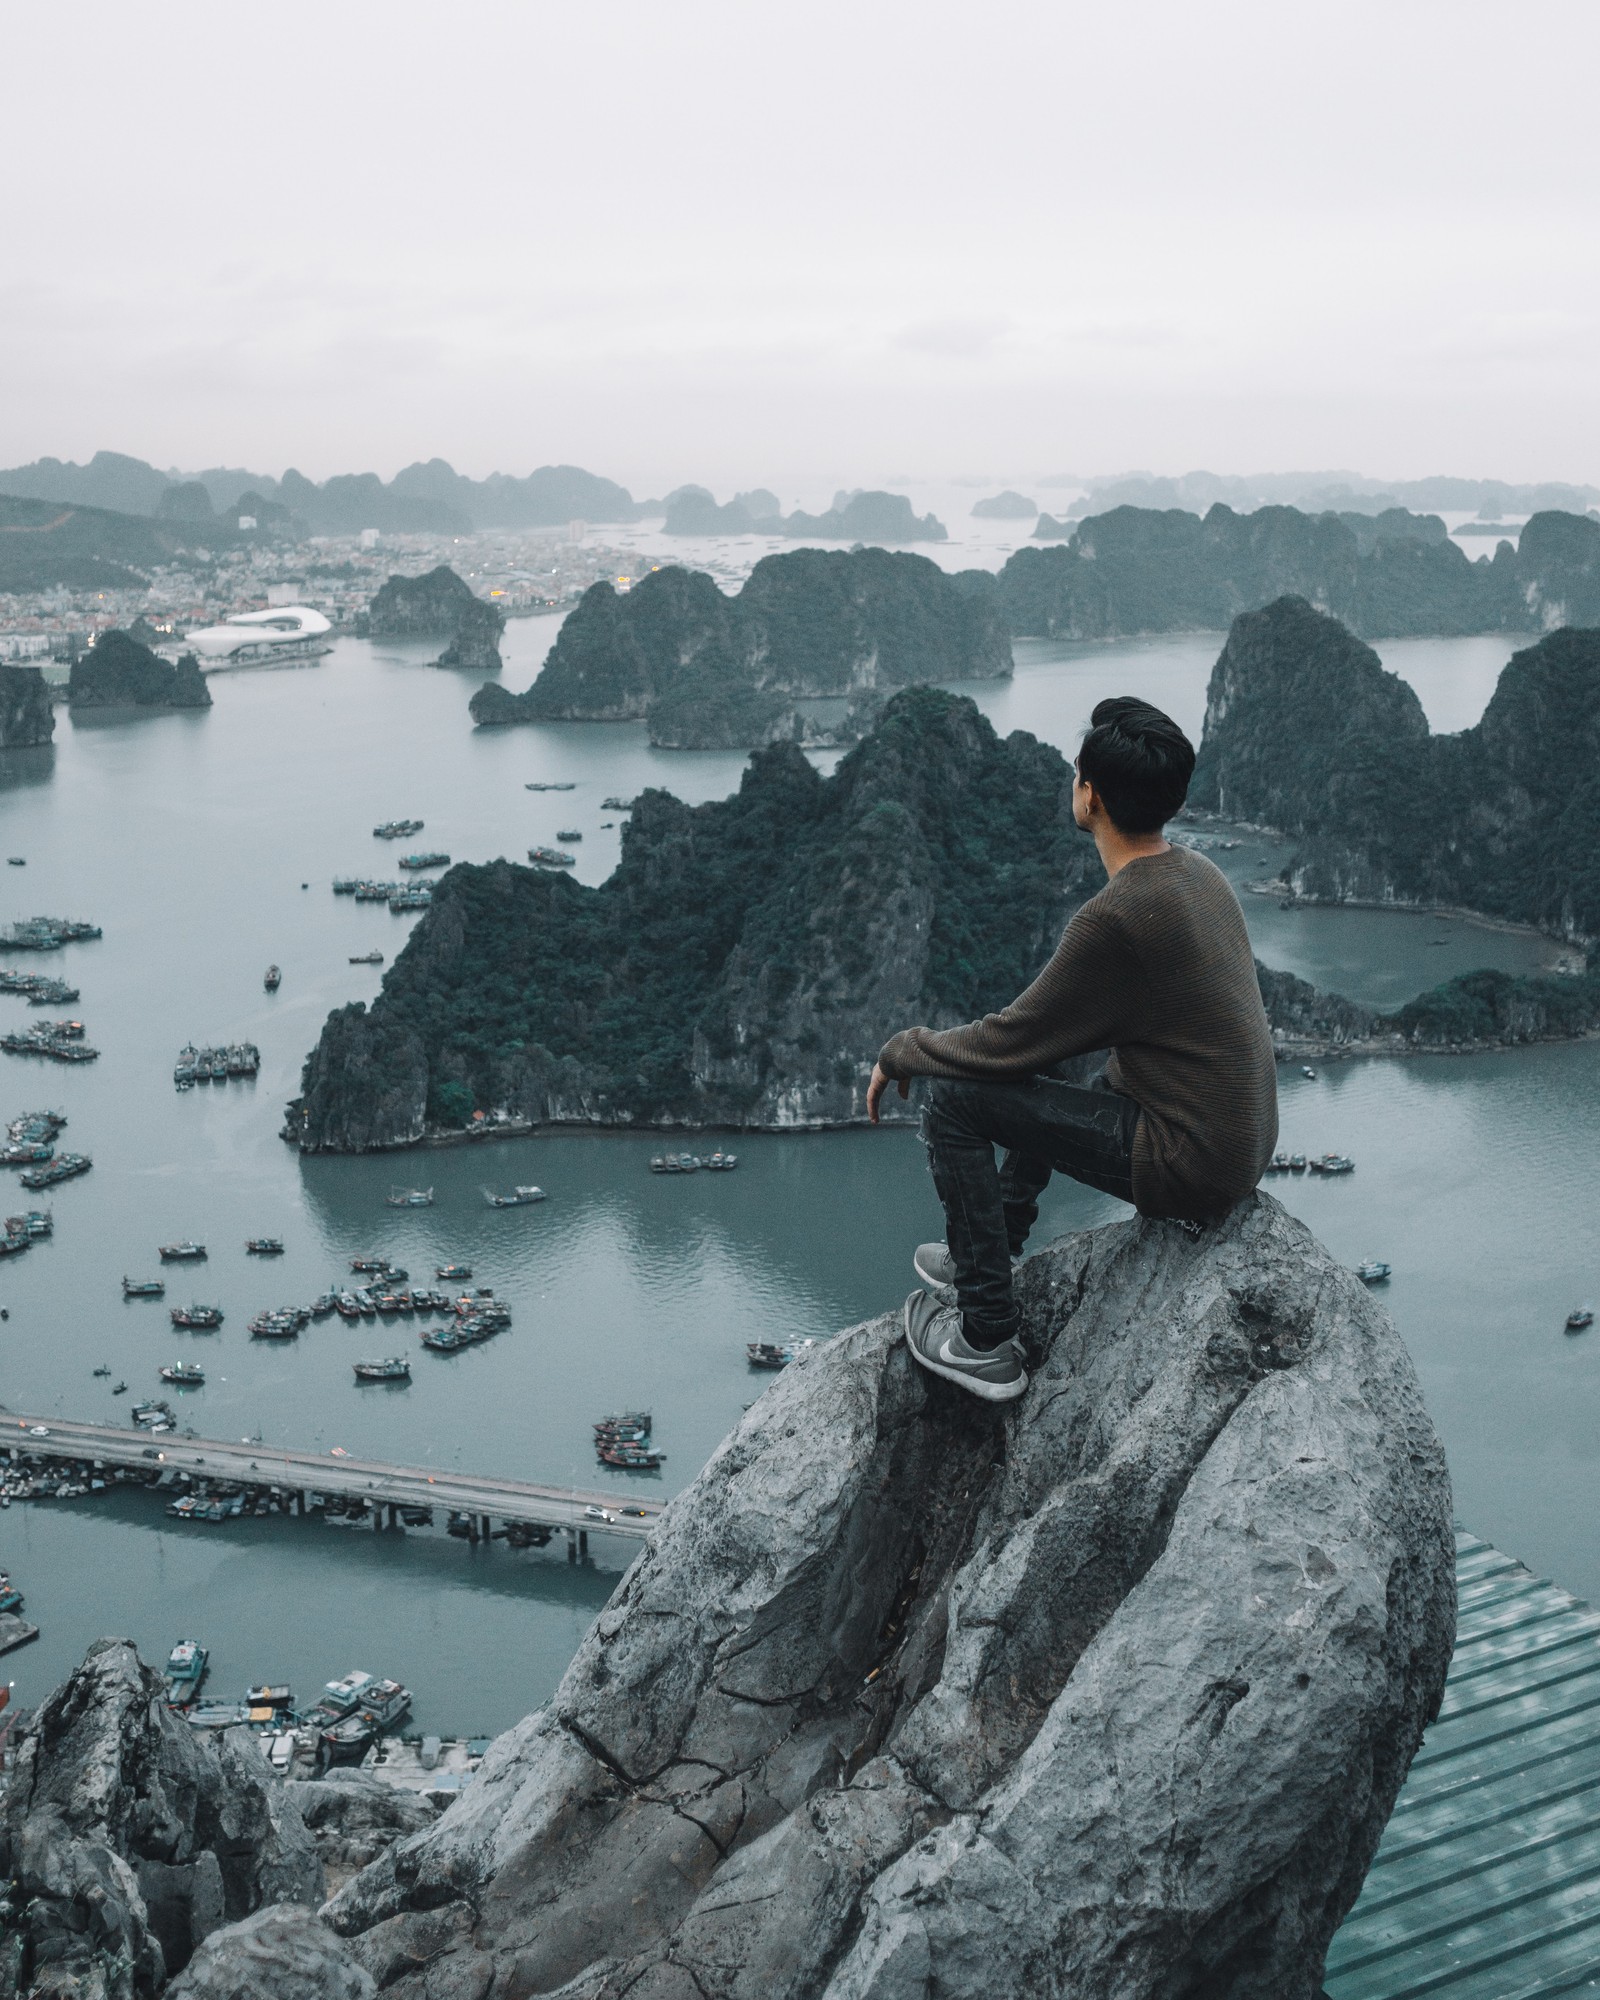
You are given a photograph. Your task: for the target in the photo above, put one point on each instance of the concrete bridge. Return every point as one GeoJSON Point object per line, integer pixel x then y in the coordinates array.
{"type": "Point", "coordinates": [481, 1497]}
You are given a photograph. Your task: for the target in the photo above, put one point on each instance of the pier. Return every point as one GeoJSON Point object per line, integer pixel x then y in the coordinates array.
{"type": "Point", "coordinates": [481, 1498]}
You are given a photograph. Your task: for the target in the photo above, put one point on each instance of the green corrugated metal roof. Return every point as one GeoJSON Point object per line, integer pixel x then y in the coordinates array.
{"type": "Point", "coordinates": [1486, 1885]}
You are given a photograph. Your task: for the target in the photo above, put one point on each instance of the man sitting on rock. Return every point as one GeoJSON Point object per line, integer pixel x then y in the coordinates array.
{"type": "Point", "coordinates": [1181, 1120]}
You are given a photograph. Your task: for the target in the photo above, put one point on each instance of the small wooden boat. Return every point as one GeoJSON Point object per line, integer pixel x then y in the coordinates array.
{"type": "Point", "coordinates": [409, 1198]}
{"type": "Point", "coordinates": [1579, 1318]}
{"type": "Point", "coordinates": [143, 1288]}
{"type": "Point", "coordinates": [273, 980]}
{"type": "Point", "coordinates": [181, 1253]}
{"type": "Point", "coordinates": [1373, 1271]}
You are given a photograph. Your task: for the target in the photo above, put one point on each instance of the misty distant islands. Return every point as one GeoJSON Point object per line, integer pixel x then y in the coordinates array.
{"type": "Point", "coordinates": [886, 519]}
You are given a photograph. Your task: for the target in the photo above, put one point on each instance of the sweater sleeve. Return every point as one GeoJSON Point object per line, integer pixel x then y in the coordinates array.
{"type": "Point", "coordinates": [1089, 996]}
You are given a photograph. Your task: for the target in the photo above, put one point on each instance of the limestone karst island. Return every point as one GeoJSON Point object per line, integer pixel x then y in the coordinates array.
{"type": "Point", "coordinates": [802, 999]}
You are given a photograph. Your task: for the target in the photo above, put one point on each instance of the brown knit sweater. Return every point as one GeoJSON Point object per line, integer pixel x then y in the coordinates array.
{"type": "Point", "coordinates": [1157, 968]}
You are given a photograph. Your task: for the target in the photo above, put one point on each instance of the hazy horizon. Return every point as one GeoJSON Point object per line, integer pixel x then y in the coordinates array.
{"type": "Point", "coordinates": [710, 246]}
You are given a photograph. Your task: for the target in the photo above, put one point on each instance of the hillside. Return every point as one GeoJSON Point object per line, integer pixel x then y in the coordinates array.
{"type": "Point", "coordinates": [45, 542]}
{"type": "Point", "coordinates": [1390, 575]}
{"type": "Point", "coordinates": [1307, 732]}
{"type": "Point", "coordinates": [710, 671]}
{"type": "Point", "coordinates": [746, 960]}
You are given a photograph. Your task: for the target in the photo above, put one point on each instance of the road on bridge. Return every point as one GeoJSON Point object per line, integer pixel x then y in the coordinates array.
{"type": "Point", "coordinates": [250, 1463]}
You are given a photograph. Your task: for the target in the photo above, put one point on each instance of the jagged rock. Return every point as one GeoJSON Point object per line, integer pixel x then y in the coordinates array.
{"type": "Point", "coordinates": [281, 1953]}
{"type": "Point", "coordinates": [26, 716]}
{"type": "Point", "coordinates": [1306, 731]}
{"type": "Point", "coordinates": [708, 671]}
{"type": "Point", "coordinates": [440, 605]}
{"type": "Point", "coordinates": [130, 1837]}
{"type": "Point", "coordinates": [120, 671]}
{"type": "Point", "coordinates": [353, 1817]}
{"type": "Point", "coordinates": [1108, 1695]}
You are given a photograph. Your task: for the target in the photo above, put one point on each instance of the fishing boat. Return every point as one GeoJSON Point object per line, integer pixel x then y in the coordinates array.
{"type": "Point", "coordinates": [143, 1288]}
{"type": "Point", "coordinates": [1297, 1163]}
{"type": "Point", "coordinates": [1333, 1163]}
{"type": "Point", "coordinates": [519, 1197]}
{"type": "Point", "coordinates": [273, 979]}
{"type": "Point", "coordinates": [106, 1372]}
{"type": "Point", "coordinates": [409, 1197]}
{"type": "Point", "coordinates": [185, 1670]}
{"type": "Point", "coordinates": [184, 1374]}
{"type": "Point", "coordinates": [551, 857]}
{"type": "Point", "coordinates": [283, 1324]}
{"type": "Point", "coordinates": [367, 958]}
{"type": "Point", "coordinates": [454, 1273]}
{"type": "Point", "coordinates": [64, 1167]}
{"type": "Point", "coordinates": [568, 833]}
{"type": "Point", "coordinates": [327, 1303]}
{"type": "Point", "coordinates": [394, 1369]}
{"type": "Point", "coordinates": [264, 1246]}
{"type": "Point", "coordinates": [629, 1457]}
{"type": "Point", "coordinates": [413, 862]}
{"type": "Point", "coordinates": [775, 1354]}
{"type": "Point", "coordinates": [370, 1261]}
{"type": "Point", "coordinates": [1373, 1271]}
{"type": "Point", "coordinates": [1308, 1071]}
{"type": "Point", "coordinates": [1579, 1318]}
{"type": "Point", "coordinates": [552, 786]}
{"type": "Point", "coordinates": [181, 1253]}
{"type": "Point", "coordinates": [382, 1705]}
{"type": "Point", "coordinates": [720, 1163]}
{"type": "Point", "coordinates": [397, 829]}
{"type": "Point", "coordinates": [204, 1319]}
{"type": "Point", "coordinates": [1278, 1164]}
{"type": "Point", "coordinates": [675, 1163]}
{"type": "Point", "coordinates": [632, 1422]}
{"type": "Point", "coordinates": [119, 1388]}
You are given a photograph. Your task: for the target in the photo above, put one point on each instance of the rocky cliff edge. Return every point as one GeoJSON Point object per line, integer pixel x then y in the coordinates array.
{"type": "Point", "coordinates": [1107, 1695]}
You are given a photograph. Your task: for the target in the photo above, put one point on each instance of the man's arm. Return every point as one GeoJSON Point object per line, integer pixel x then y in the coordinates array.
{"type": "Point", "coordinates": [1089, 995]}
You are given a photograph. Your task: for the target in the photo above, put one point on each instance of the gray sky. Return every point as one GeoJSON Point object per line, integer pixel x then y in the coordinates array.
{"type": "Point", "coordinates": [803, 244]}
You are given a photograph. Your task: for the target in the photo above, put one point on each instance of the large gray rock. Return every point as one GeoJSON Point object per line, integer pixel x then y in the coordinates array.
{"type": "Point", "coordinates": [129, 1837]}
{"type": "Point", "coordinates": [281, 1953]}
{"type": "Point", "coordinates": [1107, 1695]}
{"type": "Point", "coordinates": [353, 1817]}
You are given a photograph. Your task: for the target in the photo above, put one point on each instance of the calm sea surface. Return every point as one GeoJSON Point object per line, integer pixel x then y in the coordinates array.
{"type": "Point", "coordinates": [189, 837]}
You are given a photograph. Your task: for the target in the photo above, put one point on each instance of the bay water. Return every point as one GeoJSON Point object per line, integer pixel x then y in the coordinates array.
{"type": "Point", "coordinates": [205, 846]}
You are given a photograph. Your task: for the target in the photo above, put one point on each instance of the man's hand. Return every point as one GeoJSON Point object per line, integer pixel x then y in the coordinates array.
{"type": "Point", "coordinates": [878, 1085]}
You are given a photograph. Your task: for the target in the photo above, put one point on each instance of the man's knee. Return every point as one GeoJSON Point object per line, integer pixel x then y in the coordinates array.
{"type": "Point", "coordinates": [948, 1108]}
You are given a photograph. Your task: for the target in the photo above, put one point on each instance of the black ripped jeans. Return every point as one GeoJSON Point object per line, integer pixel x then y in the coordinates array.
{"type": "Point", "coordinates": [1044, 1126]}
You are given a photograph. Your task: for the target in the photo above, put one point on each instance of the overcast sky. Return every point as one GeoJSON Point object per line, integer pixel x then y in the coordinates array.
{"type": "Point", "coordinates": [801, 245]}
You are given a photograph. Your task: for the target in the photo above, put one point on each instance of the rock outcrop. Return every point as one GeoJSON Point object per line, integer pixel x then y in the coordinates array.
{"type": "Point", "coordinates": [1135, 569]}
{"type": "Point", "coordinates": [120, 671]}
{"type": "Point", "coordinates": [1007, 506]}
{"type": "Point", "coordinates": [804, 652]}
{"type": "Point", "coordinates": [746, 960]}
{"type": "Point", "coordinates": [128, 1837]}
{"type": "Point", "coordinates": [1108, 1696]}
{"type": "Point", "coordinates": [281, 1953]}
{"type": "Point", "coordinates": [440, 605]}
{"type": "Point", "coordinates": [1307, 732]}
{"type": "Point", "coordinates": [353, 1817]}
{"type": "Point", "coordinates": [27, 718]}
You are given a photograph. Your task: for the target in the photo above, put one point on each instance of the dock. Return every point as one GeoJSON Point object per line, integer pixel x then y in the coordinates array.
{"type": "Point", "coordinates": [480, 1497]}
{"type": "Point", "coordinates": [1486, 1884]}
{"type": "Point", "coordinates": [15, 1631]}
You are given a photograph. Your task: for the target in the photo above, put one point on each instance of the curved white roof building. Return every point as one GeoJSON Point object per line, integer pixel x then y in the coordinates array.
{"type": "Point", "coordinates": [261, 638]}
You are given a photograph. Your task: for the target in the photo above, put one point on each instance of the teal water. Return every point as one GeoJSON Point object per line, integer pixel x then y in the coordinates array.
{"type": "Point", "coordinates": [188, 838]}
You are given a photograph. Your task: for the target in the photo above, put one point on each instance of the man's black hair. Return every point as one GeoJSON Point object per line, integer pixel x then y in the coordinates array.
{"type": "Point", "coordinates": [1138, 760]}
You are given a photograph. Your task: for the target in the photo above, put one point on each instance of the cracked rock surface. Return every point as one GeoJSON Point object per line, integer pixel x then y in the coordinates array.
{"type": "Point", "coordinates": [1108, 1694]}
{"type": "Point", "coordinates": [128, 1837]}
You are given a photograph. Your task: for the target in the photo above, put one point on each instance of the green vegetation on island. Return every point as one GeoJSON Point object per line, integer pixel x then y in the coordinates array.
{"type": "Point", "coordinates": [1388, 575]}
{"type": "Point", "coordinates": [118, 671]}
{"type": "Point", "coordinates": [804, 653]}
{"type": "Point", "coordinates": [27, 718]}
{"type": "Point", "coordinates": [1307, 732]}
{"type": "Point", "coordinates": [440, 605]}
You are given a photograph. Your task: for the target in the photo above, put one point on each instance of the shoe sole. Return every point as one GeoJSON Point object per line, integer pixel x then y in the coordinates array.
{"type": "Point", "coordinates": [988, 1392]}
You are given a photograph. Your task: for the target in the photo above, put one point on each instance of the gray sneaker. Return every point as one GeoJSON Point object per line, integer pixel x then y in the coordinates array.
{"type": "Point", "coordinates": [933, 1333]}
{"type": "Point", "coordinates": [937, 1269]}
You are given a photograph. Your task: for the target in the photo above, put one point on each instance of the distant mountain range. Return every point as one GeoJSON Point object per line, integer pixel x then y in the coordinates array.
{"type": "Point", "coordinates": [880, 518]}
{"type": "Point", "coordinates": [1323, 492]}
{"type": "Point", "coordinates": [430, 498]}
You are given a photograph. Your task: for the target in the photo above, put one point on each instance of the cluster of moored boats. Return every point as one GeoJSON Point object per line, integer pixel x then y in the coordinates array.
{"type": "Point", "coordinates": [691, 1163]}
{"type": "Point", "coordinates": [215, 1065]}
{"type": "Point", "coordinates": [397, 829]}
{"type": "Point", "coordinates": [624, 1440]}
{"type": "Point", "coordinates": [46, 933]}
{"type": "Point", "coordinates": [343, 1724]}
{"type": "Point", "coordinates": [415, 862]}
{"type": "Point", "coordinates": [1324, 1163]}
{"type": "Point", "coordinates": [398, 895]}
{"type": "Point", "coordinates": [21, 1232]}
{"type": "Point", "coordinates": [551, 857]}
{"type": "Point", "coordinates": [37, 990]}
{"type": "Point", "coordinates": [519, 1197]}
{"type": "Point", "coordinates": [31, 1139]}
{"type": "Point", "coordinates": [59, 1041]}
